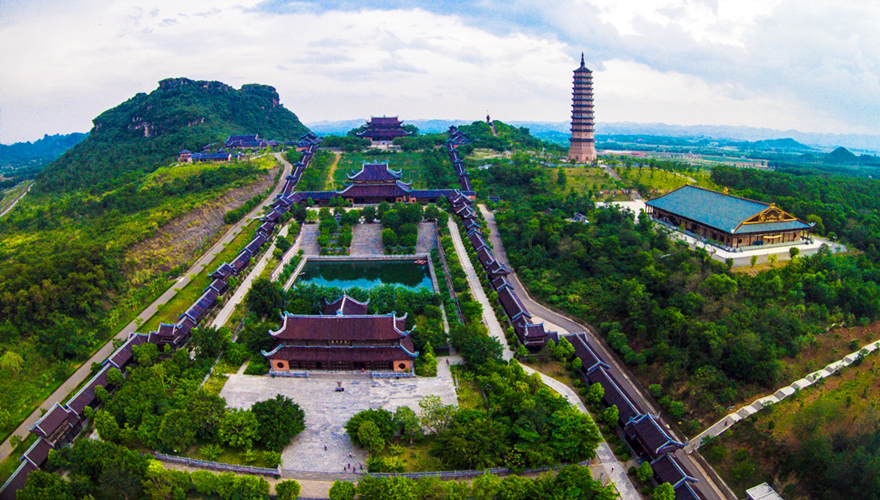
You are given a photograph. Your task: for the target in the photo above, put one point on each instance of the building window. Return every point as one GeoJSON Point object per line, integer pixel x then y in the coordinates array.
{"type": "Point", "coordinates": [402, 366]}
{"type": "Point", "coordinates": [280, 364]}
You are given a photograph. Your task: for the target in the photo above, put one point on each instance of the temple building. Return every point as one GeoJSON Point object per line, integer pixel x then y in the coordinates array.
{"type": "Point", "coordinates": [730, 220]}
{"type": "Point", "coordinates": [384, 129]}
{"type": "Point", "coordinates": [583, 144]}
{"type": "Point", "coordinates": [374, 183]}
{"type": "Point", "coordinates": [343, 338]}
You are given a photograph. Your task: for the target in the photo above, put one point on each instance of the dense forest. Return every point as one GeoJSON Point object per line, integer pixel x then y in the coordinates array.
{"type": "Point", "coordinates": [148, 131]}
{"type": "Point", "coordinates": [39, 152]}
{"type": "Point", "coordinates": [706, 335]}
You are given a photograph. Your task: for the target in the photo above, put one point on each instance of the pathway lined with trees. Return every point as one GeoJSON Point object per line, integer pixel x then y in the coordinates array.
{"type": "Point", "coordinates": [597, 343]}
{"type": "Point", "coordinates": [84, 371]}
{"type": "Point", "coordinates": [613, 468]}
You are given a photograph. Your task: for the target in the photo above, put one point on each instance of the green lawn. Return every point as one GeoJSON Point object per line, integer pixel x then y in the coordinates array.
{"type": "Point", "coordinates": [466, 389]}
{"type": "Point", "coordinates": [662, 181]}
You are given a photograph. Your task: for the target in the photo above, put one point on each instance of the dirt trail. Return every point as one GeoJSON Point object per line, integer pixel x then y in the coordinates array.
{"type": "Point", "coordinates": [328, 184]}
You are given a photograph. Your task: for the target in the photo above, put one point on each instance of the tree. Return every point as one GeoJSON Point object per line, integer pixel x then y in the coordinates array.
{"type": "Point", "coordinates": [435, 416]}
{"type": "Point", "coordinates": [389, 238]}
{"type": "Point", "coordinates": [383, 419]}
{"type": "Point", "coordinates": [239, 428]}
{"type": "Point", "coordinates": [387, 488]}
{"type": "Point", "coordinates": [794, 252]}
{"type": "Point", "coordinates": [645, 472]}
{"type": "Point", "coordinates": [474, 444]}
{"type": "Point", "coordinates": [146, 354]}
{"type": "Point", "coordinates": [206, 411]}
{"type": "Point", "coordinates": [279, 421]}
{"type": "Point", "coordinates": [264, 297]}
{"type": "Point", "coordinates": [595, 394]}
{"type": "Point", "coordinates": [342, 490]}
{"type": "Point", "coordinates": [485, 487]}
{"type": "Point", "coordinates": [235, 487]}
{"type": "Point", "coordinates": [11, 361]}
{"type": "Point", "coordinates": [106, 425]}
{"type": "Point", "coordinates": [772, 259]}
{"type": "Point", "coordinates": [288, 490]}
{"type": "Point", "coordinates": [563, 350]}
{"type": "Point", "coordinates": [574, 437]}
{"type": "Point", "coordinates": [178, 431]}
{"type": "Point", "coordinates": [408, 422]}
{"type": "Point", "coordinates": [369, 214]}
{"type": "Point", "coordinates": [208, 342]}
{"type": "Point", "coordinates": [427, 363]}
{"type": "Point", "coordinates": [42, 485]}
{"type": "Point", "coordinates": [610, 416]}
{"type": "Point", "coordinates": [753, 260]}
{"type": "Point", "coordinates": [663, 492]}
{"type": "Point", "coordinates": [370, 437]}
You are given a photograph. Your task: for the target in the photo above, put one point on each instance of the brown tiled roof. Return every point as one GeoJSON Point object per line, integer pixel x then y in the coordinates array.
{"type": "Point", "coordinates": [614, 395]}
{"type": "Point", "coordinates": [485, 256]}
{"type": "Point", "coordinates": [346, 306]}
{"type": "Point", "coordinates": [86, 396]}
{"type": "Point", "coordinates": [652, 436]}
{"type": "Point", "coordinates": [498, 282]}
{"type": "Point", "coordinates": [476, 239]}
{"type": "Point", "coordinates": [511, 304]}
{"type": "Point", "coordinates": [375, 172]}
{"type": "Point", "coordinates": [670, 470]}
{"type": "Point", "coordinates": [688, 491]}
{"type": "Point", "coordinates": [358, 328]}
{"type": "Point", "coordinates": [38, 452]}
{"type": "Point", "coordinates": [56, 417]}
{"type": "Point", "coordinates": [375, 190]}
{"type": "Point", "coordinates": [339, 353]}
{"type": "Point", "coordinates": [17, 480]}
{"type": "Point", "coordinates": [584, 351]}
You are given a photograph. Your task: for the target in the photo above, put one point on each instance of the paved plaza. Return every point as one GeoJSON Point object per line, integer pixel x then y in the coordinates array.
{"type": "Point", "coordinates": [366, 239]}
{"type": "Point", "coordinates": [327, 411]}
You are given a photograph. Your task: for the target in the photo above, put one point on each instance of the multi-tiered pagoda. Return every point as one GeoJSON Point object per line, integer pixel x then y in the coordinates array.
{"type": "Point", "coordinates": [384, 129]}
{"type": "Point", "coordinates": [583, 143]}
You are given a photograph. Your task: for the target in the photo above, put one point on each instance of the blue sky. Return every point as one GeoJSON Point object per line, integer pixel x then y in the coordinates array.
{"type": "Point", "coordinates": [807, 65]}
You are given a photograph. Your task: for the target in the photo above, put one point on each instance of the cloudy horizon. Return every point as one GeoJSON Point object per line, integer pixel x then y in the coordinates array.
{"type": "Point", "coordinates": [779, 64]}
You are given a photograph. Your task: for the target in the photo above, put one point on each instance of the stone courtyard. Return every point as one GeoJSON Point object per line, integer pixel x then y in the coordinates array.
{"type": "Point", "coordinates": [327, 411]}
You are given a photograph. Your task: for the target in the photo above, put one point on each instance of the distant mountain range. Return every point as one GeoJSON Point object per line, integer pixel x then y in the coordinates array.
{"type": "Point", "coordinates": [558, 132]}
{"type": "Point", "coordinates": [39, 152]}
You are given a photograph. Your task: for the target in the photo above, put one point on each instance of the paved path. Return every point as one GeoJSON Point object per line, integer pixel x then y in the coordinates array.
{"type": "Point", "coordinates": [427, 238]}
{"type": "Point", "coordinates": [14, 203]}
{"type": "Point", "coordinates": [366, 239]}
{"type": "Point", "coordinates": [489, 318]}
{"type": "Point", "coordinates": [327, 411]}
{"type": "Point", "coordinates": [101, 354]}
{"type": "Point", "coordinates": [309, 235]}
{"type": "Point", "coordinates": [245, 286]}
{"type": "Point", "coordinates": [606, 456]}
{"type": "Point", "coordinates": [715, 490]}
{"type": "Point", "coordinates": [750, 409]}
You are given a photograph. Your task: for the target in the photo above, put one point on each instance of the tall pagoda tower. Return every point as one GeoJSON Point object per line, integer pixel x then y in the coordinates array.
{"type": "Point", "coordinates": [583, 144]}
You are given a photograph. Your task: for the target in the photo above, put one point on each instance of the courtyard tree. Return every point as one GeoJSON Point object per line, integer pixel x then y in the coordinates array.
{"type": "Point", "coordinates": [239, 428]}
{"type": "Point", "coordinates": [644, 472]}
{"type": "Point", "coordinates": [264, 297]}
{"type": "Point", "coordinates": [435, 416]}
{"type": "Point", "coordinates": [575, 436]}
{"type": "Point", "coordinates": [279, 420]}
{"type": "Point", "coordinates": [383, 419]}
{"type": "Point", "coordinates": [370, 437]}
{"type": "Point", "coordinates": [287, 490]}
{"type": "Point", "coordinates": [342, 490]}
{"type": "Point", "coordinates": [208, 341]}
{"type": "Point", "coordinates": [408, 421]}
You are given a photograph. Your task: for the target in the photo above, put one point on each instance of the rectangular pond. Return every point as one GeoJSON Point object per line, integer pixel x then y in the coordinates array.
{"type": "Point", "coordinates": [366, 274]}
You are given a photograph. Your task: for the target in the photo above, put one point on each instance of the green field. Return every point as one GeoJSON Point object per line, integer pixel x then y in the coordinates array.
{"type": "Point", "coordinates": [658, 181]}
{"type": "Point", "coordinates": [591, 180]}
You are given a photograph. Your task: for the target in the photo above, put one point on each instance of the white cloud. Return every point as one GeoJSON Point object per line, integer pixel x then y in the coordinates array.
{"type": "Point", "coordinates": [772, 63]}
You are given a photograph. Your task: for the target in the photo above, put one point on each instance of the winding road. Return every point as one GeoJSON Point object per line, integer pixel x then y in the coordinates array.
{"type": "Point", "coordinates": [84, 371]}
{"type": "Point", "coordinates": [697, 465]}
{"type": "Point", "coordinates": [14, 203]}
